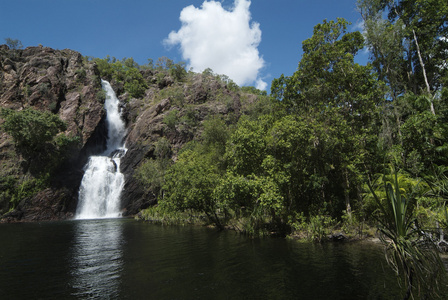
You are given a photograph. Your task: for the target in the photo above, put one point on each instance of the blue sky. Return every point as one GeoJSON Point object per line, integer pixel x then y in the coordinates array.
{"type": "Point", "coordinates": [269, 32]}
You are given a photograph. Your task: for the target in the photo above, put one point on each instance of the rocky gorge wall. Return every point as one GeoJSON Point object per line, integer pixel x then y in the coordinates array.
{"type": "Point", "coordinates": [67, 84]}
{"type": "Point", "coordinates": [61, 82]}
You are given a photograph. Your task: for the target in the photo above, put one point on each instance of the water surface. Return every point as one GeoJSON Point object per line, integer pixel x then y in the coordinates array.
{"type": "Point", "coordinates": [126, 259]}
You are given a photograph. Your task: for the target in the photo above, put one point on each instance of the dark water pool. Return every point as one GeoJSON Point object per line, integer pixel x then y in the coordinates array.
{"type": "Point", "coordinates": [126, 259]}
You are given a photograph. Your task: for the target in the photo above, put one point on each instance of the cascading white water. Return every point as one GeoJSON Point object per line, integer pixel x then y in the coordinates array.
{"type": "Point", "coordinates": [101, 186]}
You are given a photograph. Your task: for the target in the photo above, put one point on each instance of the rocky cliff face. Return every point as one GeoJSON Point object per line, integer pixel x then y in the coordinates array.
{"type": "Point", "coordinates": [65, 83]}
{"type": "Point", "coordinates": [190, 102]}
{"type": "Point", "coordinates": [62, 82]}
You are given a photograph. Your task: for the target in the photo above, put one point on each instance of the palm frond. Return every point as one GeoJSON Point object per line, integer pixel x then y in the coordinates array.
{"type": "Point", "coordinates": [410, 252]}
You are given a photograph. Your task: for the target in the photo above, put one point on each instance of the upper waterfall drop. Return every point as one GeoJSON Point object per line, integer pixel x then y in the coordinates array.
{"type": "Point", "coordinates": [116, 130]}
{"type": "Point", "coordinates": [102, 183]}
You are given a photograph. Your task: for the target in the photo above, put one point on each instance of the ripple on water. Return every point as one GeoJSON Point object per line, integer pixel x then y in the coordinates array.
{"type": "Point", "coordinates": [97, 259]}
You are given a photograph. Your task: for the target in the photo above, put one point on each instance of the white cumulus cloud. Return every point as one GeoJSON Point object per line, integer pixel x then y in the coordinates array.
{"type": "Point", "coordinates": [260, 84]}
{"type": "Point", "coordinates": [224, 40]}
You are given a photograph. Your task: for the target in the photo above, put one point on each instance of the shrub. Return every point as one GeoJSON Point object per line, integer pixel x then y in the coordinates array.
{"type": "Point", "coordinates": [151, 172]}
{"type": "Point", "coordinates": [178, 72]}
{"type": "Point", "coordinates": [13, 44]}
{"type": "Point", "coordinates": [35, 134]}
{"type": "Point", "coordinates": [171, 119]}
{"type": "Point", "coordinates": [135, 88]}
{"type": "Point", "coordinates": [43, 88]}
{"type": "Point", "coordinates": [28, 188]}
{"type": "Point", "coordinates": [31, 130]}
{"type": "Point", "coordinates": [135, 85]}
{"type": "Point", "coordinates": [316, 229]}
{"type": "Point", "coordinates": [175, 94]}
{"type": "Point", "coordinates": [81, 74]}
{"type": "Point", "coordinates": [162, 149]}
{"type": "Point", "coordinates": [101, 96]}
{"type": "Point", "coordinates": [190, 117]}
{"type": "Point", "coordinates": [126, 71]}
{"type": "Point", "coordinates": [215, 132]}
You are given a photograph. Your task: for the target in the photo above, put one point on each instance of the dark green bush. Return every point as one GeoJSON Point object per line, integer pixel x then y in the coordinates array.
{"type": "Point", "coordinates": [31, 129]}
{"type": "Point", "coordinates": [37, 136]}
{"type": "Point", "coordinates": [126, 71]}
{"type": "Point", "coordinates": [171, 119]}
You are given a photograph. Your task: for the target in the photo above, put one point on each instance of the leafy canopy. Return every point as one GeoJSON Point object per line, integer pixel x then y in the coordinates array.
{"type": "Point", "coordinates": [31, 129]}
{"type": "Point", "coordinates": [37, 135]}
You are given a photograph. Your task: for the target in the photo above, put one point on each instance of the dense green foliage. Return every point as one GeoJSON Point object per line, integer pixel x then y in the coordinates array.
{"type": "Point", "coordinates": [125, 71]}
{"type": "Point", "coordinates": [410, 250]}
{"type": "Point", "coordinates": [37, 136]}
{"type": "Point", "coordinates": [152, 172]}
{"type": "Point", "coordinates": [302, 156]}
{"type": "Point", "coordinates": [130, 74]}
{"type": "Point", "coordinates": [303, 161]}
{"type": "Point", "coordinates": [314, 155]}
{"type": "Point", "coordinates": [15, 190]}
{"type": "Point", "coordinates": [31, 130]}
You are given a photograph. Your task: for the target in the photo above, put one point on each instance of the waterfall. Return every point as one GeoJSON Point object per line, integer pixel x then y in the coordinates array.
{"type": "Point", "coordinates": [102, 183]}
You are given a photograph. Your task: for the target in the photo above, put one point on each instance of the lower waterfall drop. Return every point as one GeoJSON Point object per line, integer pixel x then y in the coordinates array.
{"type": "Point", "coordinates": [102, 183]}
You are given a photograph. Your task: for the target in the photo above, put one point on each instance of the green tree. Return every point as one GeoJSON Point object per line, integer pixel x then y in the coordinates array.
{"type": "Point", "coordinates": [134, 84]}
{"type": "Point", "coordinates": [275, 168]}
{"type": "Point", "coordinates": [177, 71]}
{"type": "Point", "coordinates": [255, 199]}
{"type": "Point", "coordinates": [251, 187]}
{"type": "Point", "coordinates": [327, 76]}
{"type": "Point", "coordinates": [31, 129]}
{"type": "Point", "coordinates": [247, 145]}
{"type": "Point", "coordinates": [189, 185]}
{"type": "Point", "coordinates": [129, 63]}
{"type": "Point", "coordinates": [340, 98]}
{"type": "Point", "coordinates": [253, 90]}
{"type": "Point", "coordinates": [37, 135]}
{"type": "Point", "coordinates": [126, 71]}
{"type": "Point", "coordinates": [151, 173]}
{"type": "Point", "coordinates": [164, 63]}
{"type": "Point", "coordinates": [408, 51]}
{"type": "Point", "coordinates": [13, 44]}
{"type": "Point", "coordinates": [412, 60]}
{"type": "Point", "coordinates": [328, 81]}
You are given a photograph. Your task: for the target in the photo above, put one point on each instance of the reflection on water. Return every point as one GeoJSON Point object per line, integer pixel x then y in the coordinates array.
{"type": "Point", "coordinates": [97, 259]}
{"type": "Point", "coordinates": [197, 263]}
{"type": "Point", "coordinates": [125, 259]}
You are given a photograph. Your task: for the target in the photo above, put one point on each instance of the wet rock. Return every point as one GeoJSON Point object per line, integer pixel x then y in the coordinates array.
{"type": "Point", "coordinates": [338, 237]}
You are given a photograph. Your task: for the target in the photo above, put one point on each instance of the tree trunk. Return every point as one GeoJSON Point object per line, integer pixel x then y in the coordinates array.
{"type": "Point", "coordinates": [347, 193]}
{"type": "Point", "coordinates": [422, 64]}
